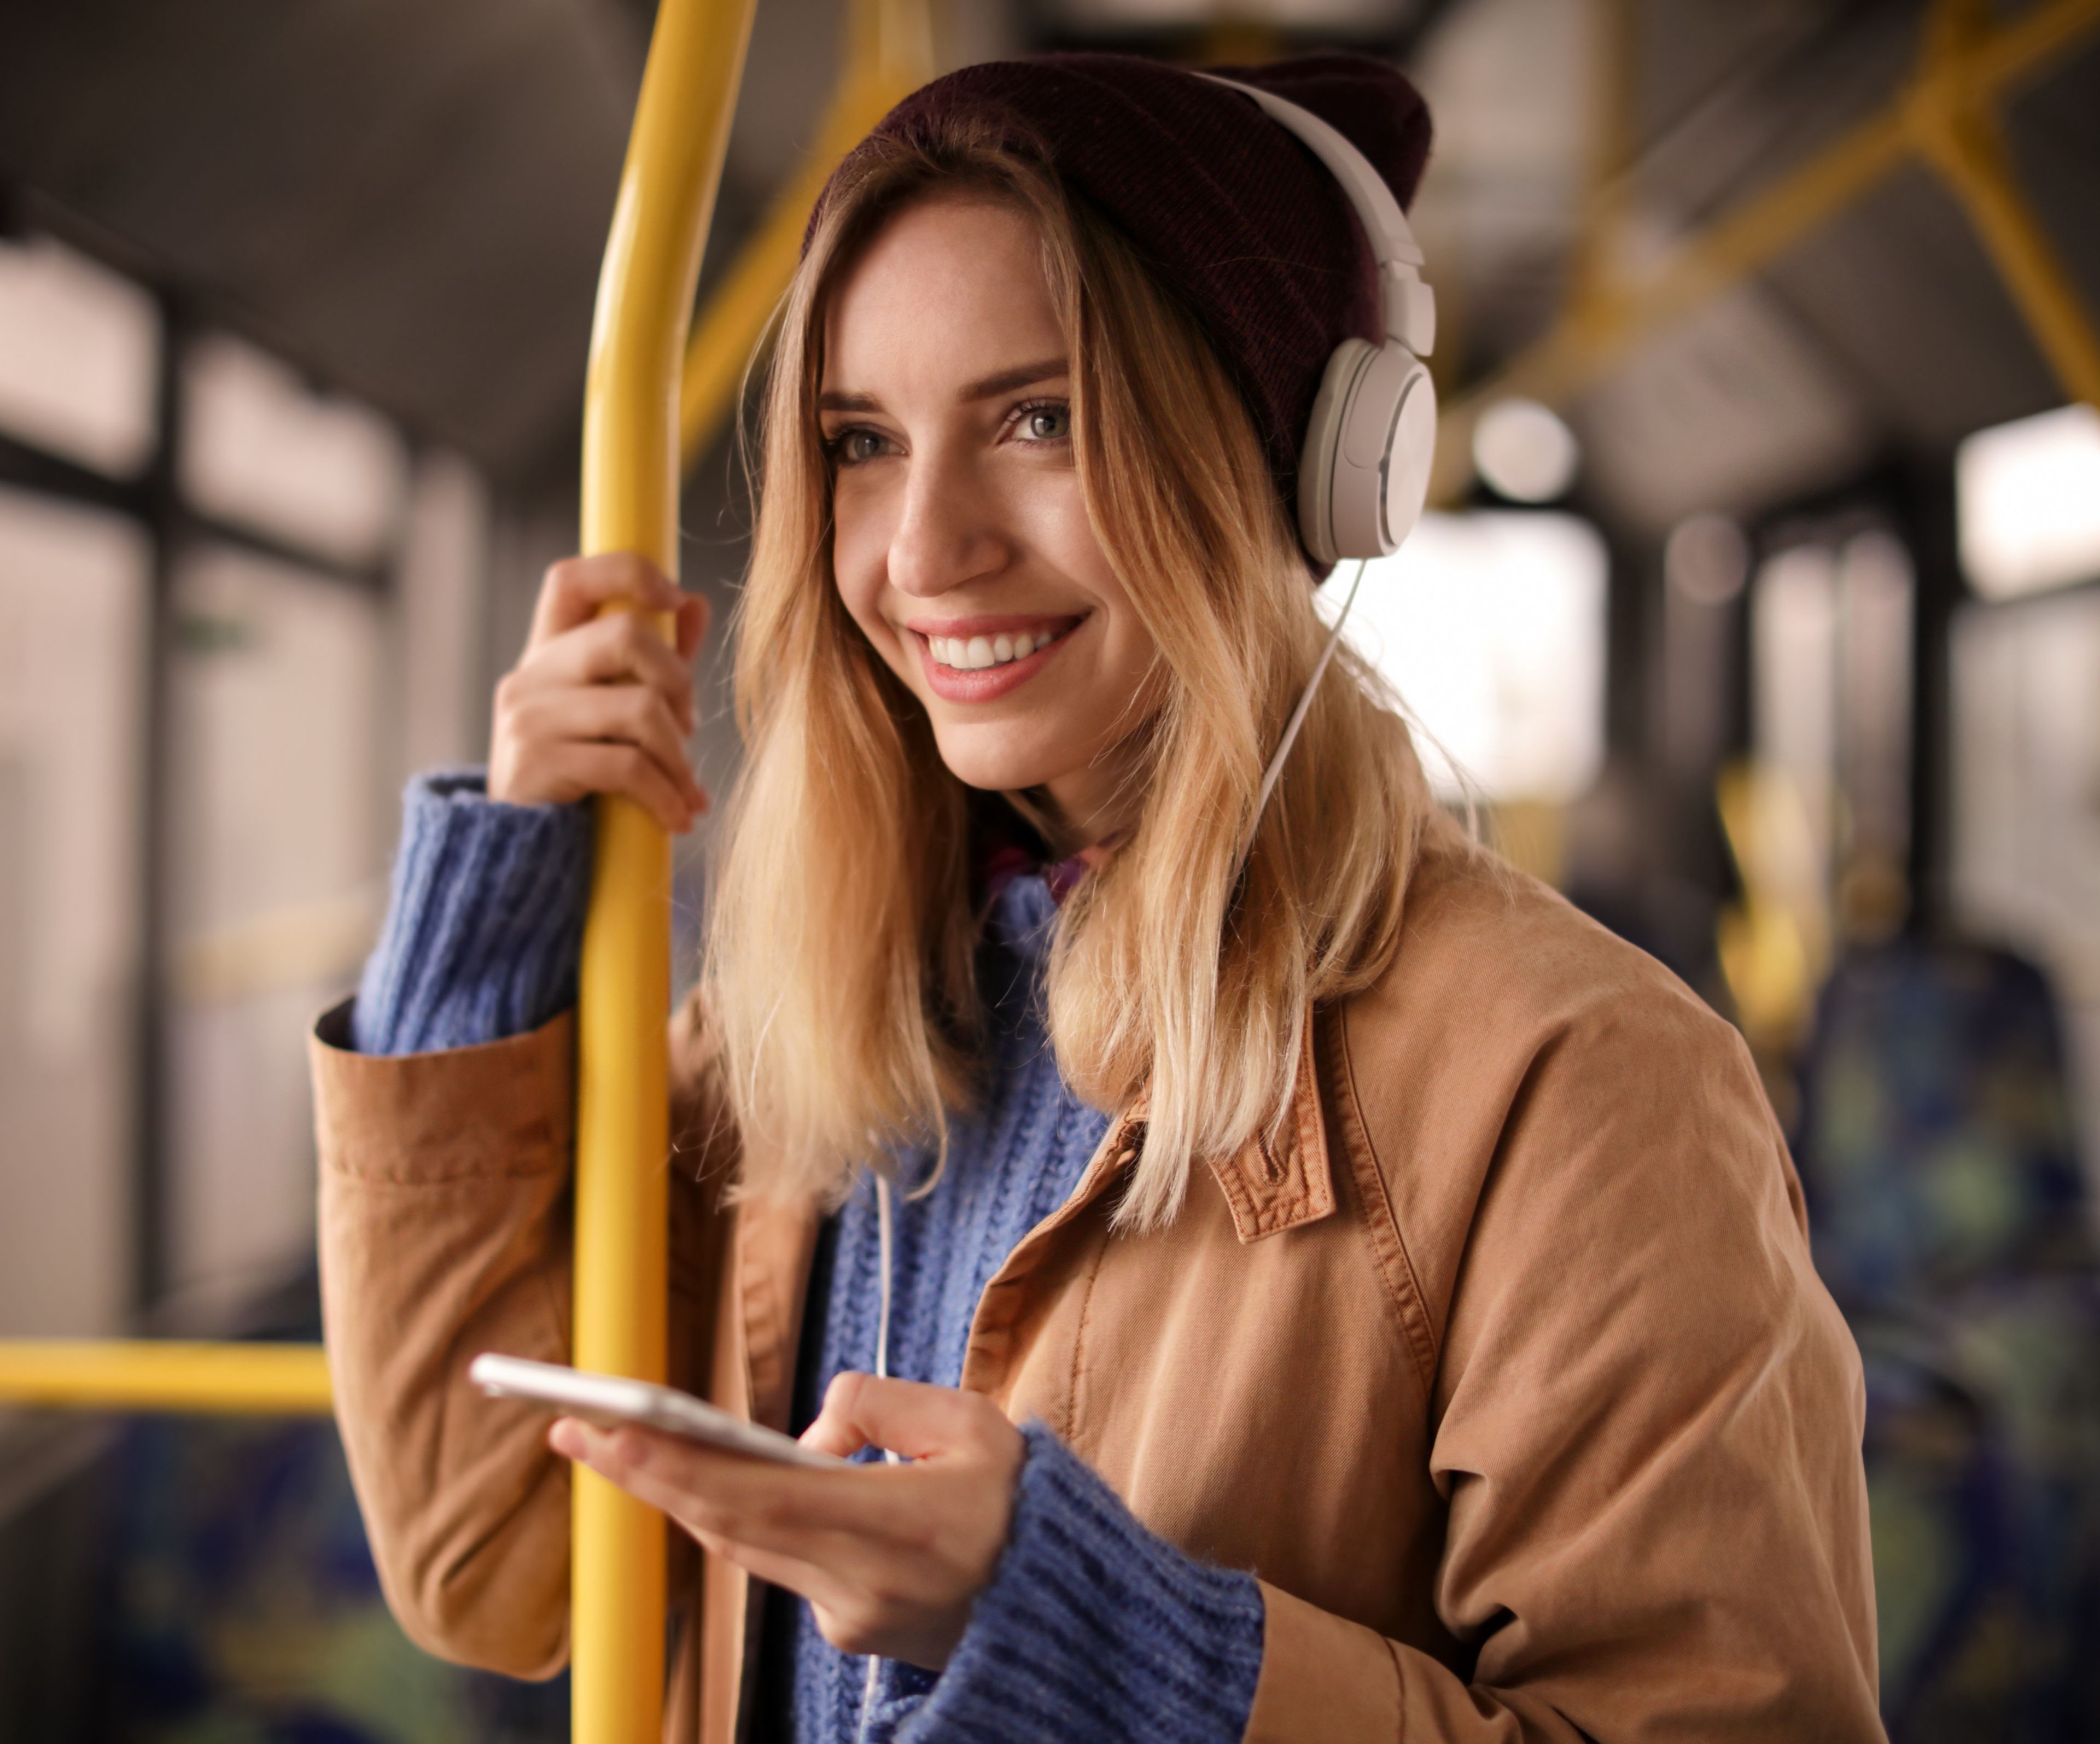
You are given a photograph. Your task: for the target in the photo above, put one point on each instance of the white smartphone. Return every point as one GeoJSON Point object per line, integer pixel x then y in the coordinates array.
{"type": "Point", "coordinates": [608, 1400]}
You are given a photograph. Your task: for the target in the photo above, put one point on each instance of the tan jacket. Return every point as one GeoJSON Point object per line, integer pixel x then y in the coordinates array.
{"type": "Point", "coordinates": [1508, 1374]}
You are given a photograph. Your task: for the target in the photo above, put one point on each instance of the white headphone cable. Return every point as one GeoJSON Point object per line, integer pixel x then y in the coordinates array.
{"type": "Point", "coordinates": [885, 1237]}
{"type": "Point", "coordinates": [885, 1241]}
{"type": "Point", "coordinates": [1298, 719]}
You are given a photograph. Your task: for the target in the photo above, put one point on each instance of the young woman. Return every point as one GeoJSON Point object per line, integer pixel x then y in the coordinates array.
{"type": "Point", "coordinates": [1339, 1294]}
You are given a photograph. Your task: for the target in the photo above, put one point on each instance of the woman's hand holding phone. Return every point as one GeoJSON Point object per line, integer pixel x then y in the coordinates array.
{"type": "Point", "coordinates": [891, 1557]}
{"type": "Point", "coordinates": [601, 704]}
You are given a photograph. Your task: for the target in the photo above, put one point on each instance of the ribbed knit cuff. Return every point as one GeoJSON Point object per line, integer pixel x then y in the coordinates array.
{"type": "Point", "coordinates": [485, 922]}
{"type": "Point", "coordinates": [1094, 1629]}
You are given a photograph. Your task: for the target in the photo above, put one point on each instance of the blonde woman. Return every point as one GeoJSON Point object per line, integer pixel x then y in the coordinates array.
{"type": "Point", "coordinates": [1340, 1294]}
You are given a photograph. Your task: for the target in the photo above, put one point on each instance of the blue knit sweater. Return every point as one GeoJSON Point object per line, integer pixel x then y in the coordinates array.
{"type": "Point", "coordinates": [1091, 1628]}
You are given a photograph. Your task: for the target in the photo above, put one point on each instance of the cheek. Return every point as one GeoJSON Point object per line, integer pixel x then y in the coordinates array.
{"type": "Point", "coordinates": [1067, 534]}
{"type": "Point", "coordinates": [858, 547]}
{"type": "Point", "coordinates": [1054, 512]}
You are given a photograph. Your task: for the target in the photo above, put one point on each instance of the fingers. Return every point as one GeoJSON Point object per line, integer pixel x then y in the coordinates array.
{"type": "Point", "coordinates": [525, 771]}
{"type": "Point", "coordinates": [778, 1510]}
{"type": "Point", "coordinates": [626, 771]}
{"type": "Point", "coordinates": [892, 1557]}
{"type": "Point", "coordinates": [602, 739]}
{"type": "Point", "coordinates": [601, 708]}
{"type": "Point", "coordinates": [911, 1418]}
{"type": "Point", "coordinates": [803, 1578]}
{"type": "Point", "coordinates": [783, 1509]}
{"type": "Point", "coordinates": [577, 589]}
{"type": "Point", "coordinates": [621, 649]}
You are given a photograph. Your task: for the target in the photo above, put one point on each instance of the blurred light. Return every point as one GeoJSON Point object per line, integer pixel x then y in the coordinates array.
{"type": "Point", "coordinates": [2029, 494]}
{"type": "Point", "coordinates": [277, 856]}
{"type": "Point", "coordinates": [1523, 451]}
{"type": "Point", "coordinates": [2026, 830]}
{"type": "Point", "coordinates": [1794, 617]}
{"type": "Point", "coordinates": [77, 350]}
{"type": "Point", "coordinates": [1491, 628]}
{"type": "Point", "coordinates": [261, 449]}
{"type": "Point", "coordinates": [1707, 559]}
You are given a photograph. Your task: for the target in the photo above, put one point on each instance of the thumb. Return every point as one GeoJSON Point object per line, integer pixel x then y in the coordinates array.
{"type": "Point", "coordinates": [906, 1417]}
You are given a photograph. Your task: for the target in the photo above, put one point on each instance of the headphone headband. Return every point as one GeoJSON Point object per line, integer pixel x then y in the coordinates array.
{"type": "Point", "coordinates": [1410, 306]}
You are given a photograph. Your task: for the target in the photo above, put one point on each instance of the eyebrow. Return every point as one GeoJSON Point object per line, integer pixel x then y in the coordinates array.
{"type": "Point", "coordinates": [1005, 382]}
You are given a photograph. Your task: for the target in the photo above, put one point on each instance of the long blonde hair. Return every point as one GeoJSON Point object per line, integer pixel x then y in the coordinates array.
{"type": "Point", "coordinates": [840, 939]}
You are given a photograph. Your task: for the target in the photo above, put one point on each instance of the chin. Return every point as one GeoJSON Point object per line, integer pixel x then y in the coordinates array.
{"type": "Point", "coordinates": [977, 760]}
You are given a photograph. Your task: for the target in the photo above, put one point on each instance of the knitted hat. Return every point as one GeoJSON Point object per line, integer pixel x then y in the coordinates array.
{"type": "Point", "coordinates": [1234, 214]}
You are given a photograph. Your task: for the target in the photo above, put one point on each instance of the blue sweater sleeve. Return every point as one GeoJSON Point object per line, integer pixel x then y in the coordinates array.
{"type": "Point", "coordinates": [484, 923]}
{"type": "Point", "coordinates": [1094, 1629]}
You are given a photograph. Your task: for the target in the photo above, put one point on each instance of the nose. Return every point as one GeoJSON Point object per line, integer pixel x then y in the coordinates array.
{"type": "Point", "coordinates": [948, 530]}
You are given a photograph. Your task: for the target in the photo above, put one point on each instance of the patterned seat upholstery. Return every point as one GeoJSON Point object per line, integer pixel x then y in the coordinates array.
{"type": "Point", "coordinates": [1953, 1223]}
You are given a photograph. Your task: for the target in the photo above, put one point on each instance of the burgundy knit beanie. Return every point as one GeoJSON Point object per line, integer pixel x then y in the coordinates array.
{"type": "Point", "coordinates": [1232, 212]}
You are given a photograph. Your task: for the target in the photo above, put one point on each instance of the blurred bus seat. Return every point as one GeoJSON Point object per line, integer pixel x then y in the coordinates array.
{"type": "Point", "coordinates": [225, 1592]}
{"type": "Point", "coordinates": [1952, 1222]}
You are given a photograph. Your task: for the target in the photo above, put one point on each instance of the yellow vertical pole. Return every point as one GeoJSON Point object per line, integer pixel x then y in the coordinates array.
{"type": "Point", "coordinates": [630, 503]}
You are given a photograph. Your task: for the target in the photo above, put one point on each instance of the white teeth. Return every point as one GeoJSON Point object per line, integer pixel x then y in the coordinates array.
{"type": "Point", "coordinates": [974, 653]}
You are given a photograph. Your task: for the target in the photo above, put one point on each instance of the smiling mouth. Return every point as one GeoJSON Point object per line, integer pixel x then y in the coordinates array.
{"type": "Point", "coordinates": [980, 652]}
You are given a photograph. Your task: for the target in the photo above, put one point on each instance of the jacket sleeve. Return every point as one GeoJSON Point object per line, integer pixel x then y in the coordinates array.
{"type": "Point", "coordinates": [1646, 1418]}
{"type": "Point", "coordinates": [445, 1231]}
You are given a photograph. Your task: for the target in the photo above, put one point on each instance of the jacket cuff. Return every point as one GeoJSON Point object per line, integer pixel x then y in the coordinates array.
{"type": "Point", "coordinates": [1093, 1628]}
{"type": "Point", "coordinates": [484, 925]}
{"type": "Point", "coordinates": [1322, 1677]}
{"type": "Point", "coordinates": [505, 1109]}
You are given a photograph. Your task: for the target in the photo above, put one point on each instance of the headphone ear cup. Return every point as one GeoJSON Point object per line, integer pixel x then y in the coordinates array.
{"type": "Point", "coordinates": [1323, 443]}
{"type": "Point", "coordinates": [1410, 456]}
{"type": "Point", "coordinates": [1365, 470]}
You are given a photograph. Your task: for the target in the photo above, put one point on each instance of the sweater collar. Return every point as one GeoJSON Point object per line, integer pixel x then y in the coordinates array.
{"type": "Point", "coordinates": [1006, 861]}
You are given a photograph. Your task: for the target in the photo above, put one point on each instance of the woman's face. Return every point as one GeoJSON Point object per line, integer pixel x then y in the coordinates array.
{"type": "Point", "coordinates": [961, 545]}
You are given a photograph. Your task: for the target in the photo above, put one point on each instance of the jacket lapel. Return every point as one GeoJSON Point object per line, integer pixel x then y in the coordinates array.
{"type": "Point", "coordinates": [776, 1244]}
{"type": "Point", "coordinates": [1279, 1182]}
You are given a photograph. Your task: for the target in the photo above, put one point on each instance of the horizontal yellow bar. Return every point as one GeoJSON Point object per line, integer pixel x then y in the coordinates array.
{"type": "Point", "coordinates": [157, 1374]}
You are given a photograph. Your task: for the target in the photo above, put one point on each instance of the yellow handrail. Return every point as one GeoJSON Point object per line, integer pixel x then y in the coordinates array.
{"type": "Point", "coordinates": [630, 503]}
{"type": "Point", "coordinates": [1953, 128]}
{"type": "Point", "coordinates": [1599, 327]}
{"type": "Point", "coordinates": [164, 1375]}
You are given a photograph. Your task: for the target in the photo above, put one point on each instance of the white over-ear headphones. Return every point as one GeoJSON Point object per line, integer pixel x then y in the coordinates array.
{"type": "Point", "coordinates": [1365, 469]}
